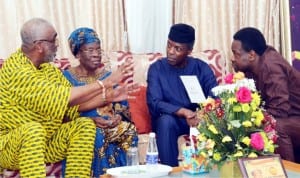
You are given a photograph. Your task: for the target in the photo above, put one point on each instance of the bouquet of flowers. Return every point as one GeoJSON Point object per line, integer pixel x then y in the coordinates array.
{"type": "Point", "coordinates": [234, 125]}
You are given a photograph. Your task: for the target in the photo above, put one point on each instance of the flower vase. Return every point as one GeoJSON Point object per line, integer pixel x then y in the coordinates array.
{"type": "Point", "coordinates": [230, 169]}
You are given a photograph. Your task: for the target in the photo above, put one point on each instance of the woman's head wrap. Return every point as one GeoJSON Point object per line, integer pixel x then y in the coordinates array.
{"type": "Point", "coordinates": [80, 37]}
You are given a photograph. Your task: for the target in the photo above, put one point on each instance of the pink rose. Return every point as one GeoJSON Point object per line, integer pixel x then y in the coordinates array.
{"type": "Point", "coordinates": [243, 95]}
{"type": "Point", "coordinates": [257, 141]}
{"type": "Point", "coordinates": [229, 78]}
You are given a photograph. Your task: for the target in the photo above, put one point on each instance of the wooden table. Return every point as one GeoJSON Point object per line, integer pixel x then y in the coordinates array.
{"type": "Point", "coordinates": [291, 166]}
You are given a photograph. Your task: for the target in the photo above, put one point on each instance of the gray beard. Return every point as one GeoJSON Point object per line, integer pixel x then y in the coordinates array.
{"type": "Point", "coordinates": [50, 58]}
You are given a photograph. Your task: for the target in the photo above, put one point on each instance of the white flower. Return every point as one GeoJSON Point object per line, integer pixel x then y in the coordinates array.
{"type": "Point", "coordinates": [249, 83]}
{"type": "Point", "coordinates": [223, 89]}
{"type": "Point", "coordinates": [230, 88]}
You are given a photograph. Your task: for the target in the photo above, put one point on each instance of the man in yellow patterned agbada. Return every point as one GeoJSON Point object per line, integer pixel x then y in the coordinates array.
{"type": "Point", "coordinates": [35, 98]}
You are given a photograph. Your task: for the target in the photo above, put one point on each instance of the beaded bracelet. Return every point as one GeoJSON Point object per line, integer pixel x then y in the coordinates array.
{"type": "Point", "coordinates": [101, 84]}
{"type": "Point", "coordinates": [103, 91]}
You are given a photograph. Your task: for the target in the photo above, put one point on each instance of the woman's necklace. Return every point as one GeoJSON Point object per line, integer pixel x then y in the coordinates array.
{"type": "Point", "coordinates": [78, 74]}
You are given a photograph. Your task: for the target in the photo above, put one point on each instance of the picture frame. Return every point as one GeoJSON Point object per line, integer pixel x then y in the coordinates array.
{"type": "Point", "coordinates": [262, 167]}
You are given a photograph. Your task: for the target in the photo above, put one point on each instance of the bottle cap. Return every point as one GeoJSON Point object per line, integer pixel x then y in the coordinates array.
{"type": "Point", "coordinates": [152, 134]}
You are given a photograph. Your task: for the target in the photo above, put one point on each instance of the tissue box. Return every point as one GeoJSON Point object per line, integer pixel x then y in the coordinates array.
{"type": "Point", "coordinates": [193, 162]}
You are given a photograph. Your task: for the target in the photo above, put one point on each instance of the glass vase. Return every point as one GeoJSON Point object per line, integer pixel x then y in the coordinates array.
{"type": "Point", "coordinates": [230, 169]}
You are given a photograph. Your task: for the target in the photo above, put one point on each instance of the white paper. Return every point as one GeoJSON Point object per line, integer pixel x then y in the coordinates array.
{"type": "Point", "coordinates": [193, 88]}
{"type": "Point", "coordinates": [194, 131]}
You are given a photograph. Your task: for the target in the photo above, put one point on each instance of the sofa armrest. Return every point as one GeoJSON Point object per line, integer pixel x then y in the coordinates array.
{"type": "Point", "coordinates": [1, 62]}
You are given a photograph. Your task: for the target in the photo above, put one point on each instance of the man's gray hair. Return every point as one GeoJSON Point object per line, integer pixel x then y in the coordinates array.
{"type": "Point", "coordinates": [32, 29]}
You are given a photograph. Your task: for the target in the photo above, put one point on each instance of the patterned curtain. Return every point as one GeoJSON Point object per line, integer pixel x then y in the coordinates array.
{"type": "Point", "coordinates": [217, 20]}
{"type": "Point", "coordinates": [147, 22]}
{"type": "Point", "coordinates": [105, 16]}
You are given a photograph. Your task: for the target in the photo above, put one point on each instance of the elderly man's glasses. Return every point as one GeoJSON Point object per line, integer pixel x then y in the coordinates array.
{"type": "Point", "coordinates": [54, 41]}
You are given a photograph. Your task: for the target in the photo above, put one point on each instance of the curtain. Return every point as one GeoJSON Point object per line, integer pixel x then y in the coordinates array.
{"type": "Point", "coordinates": [216, 21]}
{"type": "Point", "coordinates": [145, 25]}
{"type": "Point", "coordinates": [148, 24]}
{"type": "Point", "coordinates": [104, 16]}
{"type": "Point", "coordinates": [285, 30]}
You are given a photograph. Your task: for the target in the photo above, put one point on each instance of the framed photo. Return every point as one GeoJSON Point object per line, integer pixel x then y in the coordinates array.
{"type": "Point", "coordinates": [262, 167]}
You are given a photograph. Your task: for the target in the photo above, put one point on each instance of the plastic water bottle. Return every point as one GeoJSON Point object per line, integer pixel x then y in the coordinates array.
{"type": "Point", "coordinates": [152, 152]}
{"type": "Point", "coordinates": [132, 159]}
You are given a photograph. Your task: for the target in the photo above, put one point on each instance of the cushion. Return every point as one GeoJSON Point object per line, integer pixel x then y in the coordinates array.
{"type": "Point", "coordinates": [139, 111]}
{"type": "Point", "coordinates": [141, 63]}
{"type": "Point", "coordinates": [214, 59]}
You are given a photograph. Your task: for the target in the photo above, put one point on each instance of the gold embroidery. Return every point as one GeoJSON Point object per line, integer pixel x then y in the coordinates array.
{"type": "Point", "coordinates": [87, 78]}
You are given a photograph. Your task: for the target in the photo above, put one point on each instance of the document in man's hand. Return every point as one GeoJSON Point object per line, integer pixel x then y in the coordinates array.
{"type": "Point", "coordinates": [193, 88]}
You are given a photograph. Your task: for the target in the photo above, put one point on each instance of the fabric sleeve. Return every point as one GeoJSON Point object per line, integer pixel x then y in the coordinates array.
{"type": "Point", "coordinates": [276, 94]}
{"type": "Point", "coordinates": [207, 79]}
{"type": "Point", "coordinates": [155, 96]}
{"type": "Point", "coordinates": [72, 112]}
{"type": "Point", "coordinates": [43, 91]}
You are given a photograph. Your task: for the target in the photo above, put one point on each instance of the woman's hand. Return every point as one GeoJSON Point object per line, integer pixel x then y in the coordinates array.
{"type": "Point", "coordinates": [115, 120]}
{"type": "Point", "coordinates": [100, 122]}
{"type": "Point", "coordinates": [109, 123]}
{"type": "Point", "coordinates": [123, 92]}
{"type": "Point", "coordinates": [124, 71]}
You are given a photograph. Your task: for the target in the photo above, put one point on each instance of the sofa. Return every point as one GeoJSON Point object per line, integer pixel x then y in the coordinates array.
{"type": "Point", "coordinates": [138, 107]}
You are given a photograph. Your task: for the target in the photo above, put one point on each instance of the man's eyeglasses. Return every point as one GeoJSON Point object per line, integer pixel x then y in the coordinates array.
{"type": "Point", "coordinates": [54, 41]}
{"type": "Point", "coordinates": [91, 51]}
